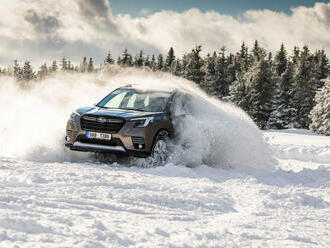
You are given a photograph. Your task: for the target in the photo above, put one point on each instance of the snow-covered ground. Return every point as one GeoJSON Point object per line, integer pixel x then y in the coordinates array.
{"type": "Point", "coordinates": [110, 205]}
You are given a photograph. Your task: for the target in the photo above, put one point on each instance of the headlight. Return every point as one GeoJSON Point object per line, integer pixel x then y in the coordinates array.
{"type": "Point", "coordinates": [74, 114]}
{"type": "Point", "coordinates": [142, 122]}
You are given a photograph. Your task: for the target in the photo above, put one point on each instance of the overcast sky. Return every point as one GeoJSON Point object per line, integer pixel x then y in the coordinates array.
{"type": "Point", "coordinates": [45, 30]}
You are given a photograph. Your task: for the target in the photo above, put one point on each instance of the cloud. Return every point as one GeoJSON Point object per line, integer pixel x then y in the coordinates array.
{"type": "Point", "coordinates": [308, 26]}
{"type": "Point", "coordinates": [45, 30]}
{"type": "Point", "coordinates": [41, 24]}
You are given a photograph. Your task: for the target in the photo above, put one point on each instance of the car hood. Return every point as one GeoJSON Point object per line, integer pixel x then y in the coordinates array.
{"type": "Point", "coordinates": [127, 114]}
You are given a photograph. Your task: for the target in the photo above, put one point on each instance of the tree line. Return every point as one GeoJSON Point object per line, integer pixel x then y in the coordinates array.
{"type": "Point", "coordinates": [278, 91]}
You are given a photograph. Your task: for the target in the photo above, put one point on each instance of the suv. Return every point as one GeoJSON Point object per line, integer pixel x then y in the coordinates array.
{"type": "Point", "coordinates": [127, 121]}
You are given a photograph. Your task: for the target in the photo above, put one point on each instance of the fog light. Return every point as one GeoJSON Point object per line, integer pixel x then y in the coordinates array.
{"type": "Point", "coordinates": [140, 146]}
{"type": "Point", "coordinates": [67, 138]}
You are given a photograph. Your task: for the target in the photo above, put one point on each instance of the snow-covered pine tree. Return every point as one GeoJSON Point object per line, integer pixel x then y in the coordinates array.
{"type": "Point", "coordinates": [243, 60]}
{"type": "Point", "coordinates": [169, 60]}
{"type": "Point", "coordinates": [281, 61]}
{"type": "Point", "coordinates": [139, 59]}
{"type": "Point", "coordinates": [84, 65]}
{"type": "Point", "coordinates": [27, 72]}
{"type": "Point", "coordinates": [90, 66]}
{"type": "Point", "coordinates": [108, 59]}
{"type": "Point", "coordinates": [147, 62]}
{"type": "Point", "coordinates": [223, 77]}
{"type": "Point", "coordinates": [284, 111]}
{"type": "Point", "coordinates": [17, 70]}
{"type": "Point", "coordinates": [259, 86]}
{"type": "Point", "coordinates": [119, 60]}
{"type": "Point", "coordinates": [126, 59]}
{"type": "Point", "coordinates": [296, 55]}
{"type": "Point", "coordinates": [321, 67]}
{"type": "Point", "coordinates": [176, 68]}
{"type": "Point", "coordinates": [305, 88]}
{"type": "Point", "coordinates": [208, 84]}
{"type": "Point", "coordinates": [278, 104]}
{"type": "Point", "coordinates": [193, 65]}
{"type": "Point", "coordinates": [64, 64]}
{"type": "Point", "coordinates": [257, 53]}
{"type": "Point", "coordinates": [320, 114]}
{"type": "Point", "coordinates": [153, 63]}
{"type": "Point", "coordinates": [237, 92]}
{"type": "Point", "coordinates": [53, 67]}
{"type": "Point", "coordinates": [160, 63]}
{"type": "Point", "coordinates": [42, 73]}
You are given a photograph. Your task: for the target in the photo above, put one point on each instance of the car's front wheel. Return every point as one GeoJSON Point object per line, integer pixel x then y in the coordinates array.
{"type": "Point", "coordinates": [159, 152]}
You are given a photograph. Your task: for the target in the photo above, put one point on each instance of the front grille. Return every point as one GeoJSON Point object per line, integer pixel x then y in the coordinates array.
{"type": "Point", "coordinates": [137, 140]}
{"type": "Point", "coordinates": [102, 123]}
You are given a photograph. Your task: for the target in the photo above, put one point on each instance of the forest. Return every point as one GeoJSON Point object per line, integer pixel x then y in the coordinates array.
{"type": "Point", "coordinates": [278, 90]}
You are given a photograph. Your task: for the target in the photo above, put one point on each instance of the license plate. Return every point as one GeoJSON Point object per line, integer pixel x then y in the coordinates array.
{"type": "Point", "coordinates": [95, 135]}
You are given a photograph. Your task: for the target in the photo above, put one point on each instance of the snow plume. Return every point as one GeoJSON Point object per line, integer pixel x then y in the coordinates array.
{"type": "Point", "coordinates": [33, 120]}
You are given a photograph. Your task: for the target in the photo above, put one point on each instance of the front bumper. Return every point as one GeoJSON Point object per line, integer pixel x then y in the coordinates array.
{"type": "Point", "coordinates": [79, 146]}
{"type": "Point", "coordinates": [125, 141]}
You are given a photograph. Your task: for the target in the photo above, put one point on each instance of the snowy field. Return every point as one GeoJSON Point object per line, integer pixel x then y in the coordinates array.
{"type": "Point", "coordinates": [109, 205]}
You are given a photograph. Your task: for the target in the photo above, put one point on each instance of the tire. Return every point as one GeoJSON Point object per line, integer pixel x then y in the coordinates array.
{"type": "Point", "coordinates": [159, 152]}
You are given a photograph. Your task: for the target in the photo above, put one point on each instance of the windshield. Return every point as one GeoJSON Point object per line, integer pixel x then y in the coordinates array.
{"type": "Point", "coordinates": [136, 100]}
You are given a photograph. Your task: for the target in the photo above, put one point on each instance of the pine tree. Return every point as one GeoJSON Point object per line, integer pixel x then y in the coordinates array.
{"type": "Point", "coordinates": [320, 114]}
{"type": "Point", "coordinates": [257, 52]}
{"type": "Point", "coordinates": [283, 113]}
{"type": "Point", "coordinates": [153, 63]}
{"type": "Point", "coordinates": [27, 72]}
{"type": "Point", "coordinates": [42, 73]}
{"type": "Point", "coordinates": [139, 59]}
{"type": "Point", "coordinates": [109, 60]}
{"type": "Point", "coordinates": [243, 59]}
{"type": "Point", "coordinates": [126, 59]}
{"type": "Point", "coordinates": [119, 60]}
{"type": "Point", "coordinates": [237, 91]}
{"type": "Point", "coordinates": [160, 63]}
{"type": "Point", "coordinates": [90, 67]}
{"type": "Point", "coordinates": [223, 77]}
{"type": "Point", "coordinates": [295, 55]}
{"type": "Point", "coordinates": [147, 62]}
{"type": "Point", "coordinates": [281, 61]}
{"type": "Point", "coordinates": [84, 65]}
{"type": "Point", "coordinates": [305, 87]}
{"type": "Point", "coordinates": [321, 67]}
{"type": "Point", "coordinates": [176, 68]}
{"type": "Point", "coordinates": [64, 65]}
{"type": "Point", "coordinates": [210, 80]}
{"type": "Point", "coordinates": [169, 59]}
{"type": "Point", "coordinates": [259, 92]}
{"type": "Point", "coordinates": [54, 66]}
{"type": "Point", "coordinates": [17, 70]}
{"type": "Point", "coordinates": [193, 65]}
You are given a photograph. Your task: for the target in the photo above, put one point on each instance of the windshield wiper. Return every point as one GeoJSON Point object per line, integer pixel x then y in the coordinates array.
{"type": "Point", "coordinates": [142, 110]}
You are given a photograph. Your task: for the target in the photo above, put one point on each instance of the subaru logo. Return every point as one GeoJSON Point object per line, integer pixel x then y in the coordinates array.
{"type": "Point", "coordinates": [101, 120]}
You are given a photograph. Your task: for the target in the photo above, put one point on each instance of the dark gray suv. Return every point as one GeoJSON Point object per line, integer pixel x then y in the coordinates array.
{"type": "Point", "coordinates": [127, 121]}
